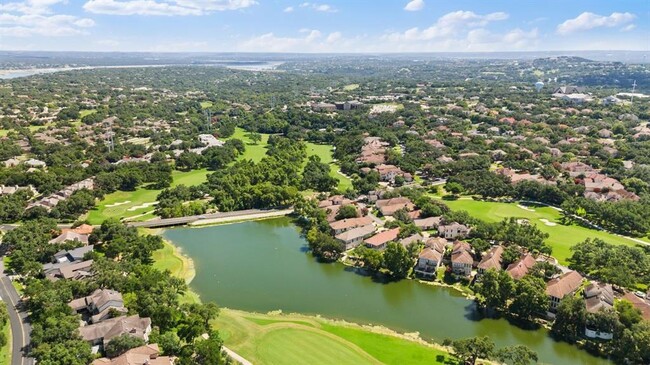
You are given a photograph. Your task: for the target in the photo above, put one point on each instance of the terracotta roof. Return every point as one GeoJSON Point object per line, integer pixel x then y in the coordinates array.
{"type": "Point", "coordinates": [520, 268]}
{"type": "Point", "coordinates": [492, 259]}
{"type": "Point", "coordinates": [399, 200]}
{"type": "Point", "coordinates": [427, 222]}
{"type": "Point", "coordinates": [383, 237]}
{"type": "Point", "coordinates": [642, 305]}
{"type": "Point", "coordinates": [143, 355]}
{"type": "Point", "coordinates": [431, 254]}
{"type": "Point", "coordinates": [564, 285]}
{"type": "Point", "coordinates": [463, 257]}
{"type": "Point", "coordinates": [350, 223]}
{"type": "Point", "coordinates": [356, 232]}
{"type": "Point", "coordinates": [437, 243]}
{"type": "Point", "coordinates": [70, 236]}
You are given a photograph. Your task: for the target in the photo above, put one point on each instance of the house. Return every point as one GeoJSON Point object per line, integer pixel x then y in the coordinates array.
{"type": "Point", "coordinates": [520, 268]}
{"type": "Point", "coordinates": [411, 239]}
{"type": "Point", "coordinates": [453, 230]}
{"type": "Point", "coordinates": [35, 163]}
{"type": "Point", "coordinates": [343, 225]}
{"type": "Point", "coordinates": [491, 260]}
{"type": "Point", "coordinates": [568, 90]}
{"type": "Point", "coordinates": [462, 259]}
{"type": "Point", "coordinates": [209, 140]}
{"type": "Point", "coordinates": [143, 355]}
{"type": "Point", "coordinates": [101, 333]}
{"type": "Point", "coordinates": [598, 296]}
{"type": "Point", "coordinates": [562, 286]}
{"type": "Point", "coordinates": [576, 169]}
{"type": "Point", "coordinates": [325, 107]}
{"type": "Point", "coordinates": [73, 255]}
{"type": "Point", "coordinates": [428, 262]}
{"type": "Point", "coordinates": [381, 239]}
{"type": "Point", "coordinates": [641, 304]}
{"type": "Point", "coordinates": [429, 223]}
{"type": "Point", "coordinates": [68, 270]}
{"type": "Point", "coordinates": [355, 236]}
{"type": "Point", "coordinates": [388, 207]}
{"type": "Point", "coordinates": [70, 236]}
{"type": "Point", "coordinates": [100, 305]}
{"type": "Point", "coordinates": [12, 162]}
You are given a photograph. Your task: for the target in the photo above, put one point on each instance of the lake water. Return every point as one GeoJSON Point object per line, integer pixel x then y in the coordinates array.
{"type": "Point", "coordinates": [263, 266]}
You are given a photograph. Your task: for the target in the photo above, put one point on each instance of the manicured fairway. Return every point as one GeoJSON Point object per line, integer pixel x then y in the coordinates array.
{"type": "Point", "coordinates": [351, 87]}
{"type": "Point", "coordinates": [124, 204]}
{"type": "Point", "coordinates": [324, 151]}
{"type": "Point", "coordinates": [254, 152]}
{"type": "Point", "coordinates": [561, 237]}
{"type": "Point", "coordinates": [298, 339]}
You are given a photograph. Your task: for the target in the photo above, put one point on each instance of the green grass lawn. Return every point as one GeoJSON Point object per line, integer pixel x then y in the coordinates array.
{"type": "Point", "coordinates": [561, 237]}
{"type": "Point", "coordinates": [324, 151]}
{"type": "Point", "coordinates": [84, 112]}
{"type": "Point", "coordinates": [114, 204]}
{"type": "Point", "coordinates": [298, 339]}
{"type": "Point", "coordinates": [350, 87]}
{"type": "Point", "coordinates": [206, 104]}
{"type": "Point", "coordinates": [254, 152]}
{"type": "Point", "coordinates": [5, 351]}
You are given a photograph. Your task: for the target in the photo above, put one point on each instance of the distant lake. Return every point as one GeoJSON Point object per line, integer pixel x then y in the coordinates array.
{"type": "Point", "coordinates": [236, 65]}
{"type": "Point", "coordinates": [263, 266]}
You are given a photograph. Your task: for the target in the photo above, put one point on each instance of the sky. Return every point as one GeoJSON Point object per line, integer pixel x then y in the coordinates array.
{"type": "Point", "coordinates": [342, 26]}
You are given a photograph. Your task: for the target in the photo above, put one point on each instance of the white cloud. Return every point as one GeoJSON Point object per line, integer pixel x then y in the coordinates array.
{"type": "Point", "coordinates": [164, 7]}
{"type": "Point", "coordinates": [587, 20]}
{"type": "Point", "coordinates": [325, 8]}
{"type": "Point", "coordinates": [311, 40]}
{"type": "Point", "coordinates": [628, 28]}
{"type": "Point", "coordinates": [448, 25]}
{"type": "Point", "coordinates": [288, 9]}
{"type": "Point", "coordinates": [414, 5]}
{"type": "Point", "coordinates": [36, 18]}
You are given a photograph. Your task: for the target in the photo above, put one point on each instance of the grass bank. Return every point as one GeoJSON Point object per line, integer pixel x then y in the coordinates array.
{"type": "Point", "coordinates": [5, 351]}
{"type": "Point", "coordinates": [561, 237]}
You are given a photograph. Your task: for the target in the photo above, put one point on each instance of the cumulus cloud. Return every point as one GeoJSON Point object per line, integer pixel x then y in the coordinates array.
{"type": "Point", "coordinates": [587, 20]}
{"type": "Point", "coordinates": [414, 5]}
{"type": "Point", "coordinates": [309, 40]}
{"type": "Point", "coordinates": [36, 18]}
{"type": "Point", "coordinates": [448, 25]}
{"type": "Point", "coordinates": [164, 7]}
{"type": "Point", "coordinates": [326, 8]}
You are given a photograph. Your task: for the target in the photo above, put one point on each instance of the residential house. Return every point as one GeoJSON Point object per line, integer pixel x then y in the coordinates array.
{"type": "Point", "coordinates": [35, 163]}
{"type": "Point", "coordinates": [568, 90]}
{"type": "Point", "coordinates": [343, 225]}
{"type": "Point", "coordinates": [100, 305]}
{"type": "Point", "coordinates": [428, 262]}
{"type": "Point", "coordinates": [143, 355]}
{"type": "Point", "coordinates": [70, 236]}
{"type": "Point", "coordinates": [381, 239]}
{"type": "Point", "coordinates": [491, 260]}
{"type": "Point", "coordinates": [558, 288]}
{"type": "Point", "coordinates": [68, 270]}
{"type": "Point", "coordinates": [639, 303]}
{"type": "Point", "coordinates": [388, 207]}
{"type": "Point", "coordinates": [429, 223]}
{"type": "Point", "coordinates": [598, 296]}
{"type": "Point", "coordinates": [103, 332]}
{"type": "Point", "coordinates": [355, 236]}
{"type": "Point", "coordinates": [411, 239]}
{"type": "Point", "coordinates": [453, 230]}
{"type": "Point", "coordinates": [76, 254]}
{"type": "Point", "coordinates": [520, 268]}
{"type": "Point", "coordinates": [462, 259]}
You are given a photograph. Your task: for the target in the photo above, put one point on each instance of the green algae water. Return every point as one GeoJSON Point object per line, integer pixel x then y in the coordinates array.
{"type": "Point", "coordinates": [263, 266]}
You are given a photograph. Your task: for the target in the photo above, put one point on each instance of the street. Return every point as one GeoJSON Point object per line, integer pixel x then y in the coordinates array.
{"type": "Point", "coordinates": [20, 328]}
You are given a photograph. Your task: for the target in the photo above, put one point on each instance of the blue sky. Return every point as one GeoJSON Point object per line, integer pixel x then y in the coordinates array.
{"type": "Point", "coordinates": [324, 26]}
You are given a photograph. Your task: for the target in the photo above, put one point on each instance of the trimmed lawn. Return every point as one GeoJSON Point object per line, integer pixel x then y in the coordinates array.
{"type": "Point", "coordinates": [206, 104]}
{"type": "Point", "coordinates": [254, 152]}
{"type": "Point", "coordinates": [167, 259]}
{"type": "Point", "coordinates": [350, 87]}
{"type": "Point", "coordinates": [5, 351]}
{"type": "Point", "coordinates": [324, 151]}
{"type": "Point", "coordinates": [125, 204]}
{"type": "Point", "coordinates": [300, 339]}
{"type": "Point", "coordinates": [561, 237]}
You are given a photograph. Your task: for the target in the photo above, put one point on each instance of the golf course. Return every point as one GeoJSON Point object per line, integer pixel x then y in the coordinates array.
{"type": "Point", "coordinates": [561, 237]}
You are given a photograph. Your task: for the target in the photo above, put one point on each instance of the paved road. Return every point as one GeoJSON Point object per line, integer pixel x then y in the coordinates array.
{"type": "Point", "coordinates": [236, 356]}
{"type": "Point", "coordinates": [20, 328]}
{"type": "Point", "coordinates": [185, 220]}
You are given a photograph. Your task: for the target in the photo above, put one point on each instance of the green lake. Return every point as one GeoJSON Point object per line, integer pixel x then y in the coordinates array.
{"type": "Point", "coordinates": [264, 266]}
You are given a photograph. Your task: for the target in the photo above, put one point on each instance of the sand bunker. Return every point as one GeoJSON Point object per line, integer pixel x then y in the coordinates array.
{"type": "Point", "coordinates": [525, 208]}
{"type": "Point", "coordinates": [117, 204]}
{"type": "Point", "coordinates": [548, 223]}
{"type": "Point", "coordinates": [145, 205]}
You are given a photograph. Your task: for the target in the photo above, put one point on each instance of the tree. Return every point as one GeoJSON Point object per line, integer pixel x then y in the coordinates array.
{"type": "Point", "coordinates": [494, 288]}
{"type": "Point", "coordinates": [570, 319]}
{"type": "Point", "coordinates": [346, 211]}
{"type": "Point", "coordinates": [397, 260]}
{"type": "Point", "coordinates": [316, 175]}
{"type": "Point", "coordinates": [208, 352]}
{"type": "Point", "coordinates": [323, 245]}
{"type": "Point", "coordinates": [454, 188]}
{"type": "Point", "coordinates": [516, 355]}
{"type": "Point", "coordinates": [530, 297]}
{"type": "Point", "coordinates": [633, 345]}
{"type": "Point", "coordinates": [71, 352]}
{"type": "Point", "coordinates": [373, 260]}
{"type": "Point", "coordinates": [121, 344]}
{"type": "Point", "coordinates": [510, 255]}
{"type": "Point", "coordinates": [628, 314]}
{"type": "Point", "coordinates": [471, 349]}
{"type": "Point", "coordinates": [255, 137]}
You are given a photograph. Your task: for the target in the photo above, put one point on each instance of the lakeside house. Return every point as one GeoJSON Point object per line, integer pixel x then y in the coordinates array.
{"type": "Point", "coordinates": [381, 239]}
{"type": "Point", "coordinates": [462, 259]}
{"type": "Point", "coordinates": [520, 268]}
{"type": "Point", "coordinates": [411, 239]}
{"type": "Point", "coordinates": [343, 225]}
{"type": "Point", "coordinates": [559, 287]}
{"type": "Point", "coordinates": [355, 236]}
{"type": "Point", "coordinates": [453, 230]}
{"type": "Point", "coordinates": [143, 355]}
{"type": "Point", "coordinates": [598, 297]}
{"type": "Point", "coordinates": [430, 257]}
{"type": "Point", "coordinates": [491, 260]}
{"type": "Point", "coordinates": [102, 304]}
